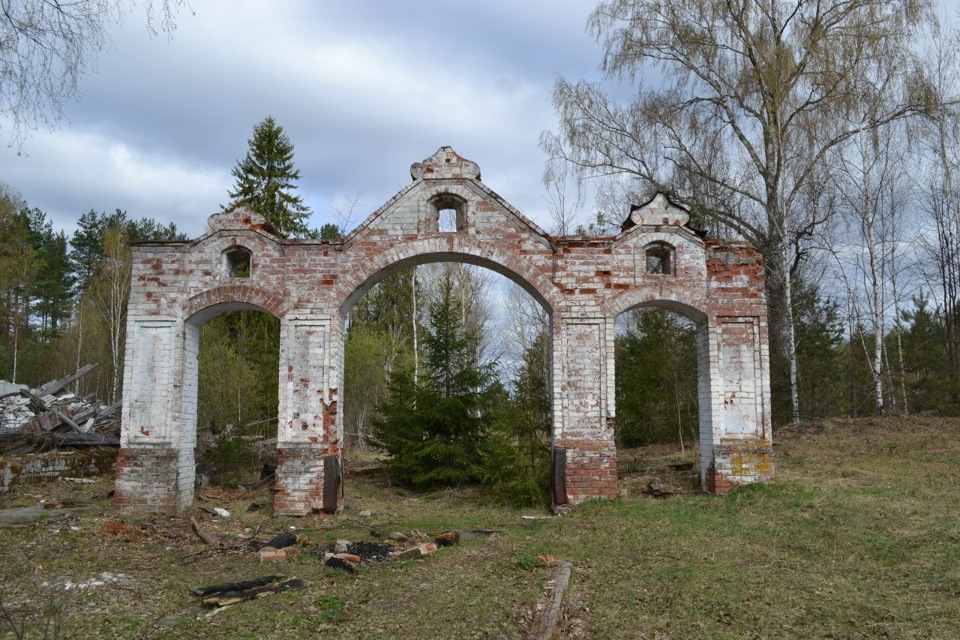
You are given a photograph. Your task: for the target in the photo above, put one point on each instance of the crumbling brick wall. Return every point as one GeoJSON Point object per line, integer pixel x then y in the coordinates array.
{"type": "Point", "coordinates": [310, 285]}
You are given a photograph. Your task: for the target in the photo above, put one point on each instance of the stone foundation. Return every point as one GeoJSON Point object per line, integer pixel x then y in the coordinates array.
{"type": "Point", "coordinates": [42, 467]}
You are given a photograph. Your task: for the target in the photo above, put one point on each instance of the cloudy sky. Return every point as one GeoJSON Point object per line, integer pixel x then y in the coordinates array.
{"type": "Point", "coordinates": [363, 89]}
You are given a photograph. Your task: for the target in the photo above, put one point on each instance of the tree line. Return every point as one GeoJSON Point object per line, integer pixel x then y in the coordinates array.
{"type": "Point", "coordinates": [825, 133]}
{"type": "Point", "coordinates": [63, 301]}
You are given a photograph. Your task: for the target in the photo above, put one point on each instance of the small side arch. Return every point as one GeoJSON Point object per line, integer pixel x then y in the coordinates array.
{"type": "Point", "coordinates": [201, 307]}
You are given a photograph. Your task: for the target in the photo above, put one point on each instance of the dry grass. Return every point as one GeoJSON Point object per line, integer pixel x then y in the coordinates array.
{"type": "Point", "coordinates": [859, 538]}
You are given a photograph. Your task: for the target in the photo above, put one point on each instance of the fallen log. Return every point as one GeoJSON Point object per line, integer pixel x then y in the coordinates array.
{"type": "Point", "coordinates": [233, 597]}
{"type": "Point", "coordinates": [226, 594]}
{"type": "Point", "coordinates": [205, 538]}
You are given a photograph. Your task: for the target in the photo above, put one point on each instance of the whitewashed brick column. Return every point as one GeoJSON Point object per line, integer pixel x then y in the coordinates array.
{"type": "Point", "coordinates": [309, 429]}
{"type": "Point", "coordinates": [585, 455]}
{"type": "Point", "coordinates": [741, 451]}
{"type": "Point", "coordinates": [151, 460]}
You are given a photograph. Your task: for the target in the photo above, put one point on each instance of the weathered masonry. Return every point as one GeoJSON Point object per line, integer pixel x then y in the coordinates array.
{"type": "Point", "coordinates": [445, 214]}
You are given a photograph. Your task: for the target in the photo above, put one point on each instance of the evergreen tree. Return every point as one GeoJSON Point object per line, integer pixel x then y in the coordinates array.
{"type": "Point", "coordinates": [330, 231]}
{"type": "Point", "coordinates": [656, 361]}
{"type": "Point", "coordinates": [265, 181]}
{"type": "Point", "coordinates": [433, 428]}
{"type": "Point", "coordinates": [821, 366]}
{"type": "Point", "coordinates": [55, 280]}
{"type": "Point", "coordinates": [926, 361]}
{"type": "Point", "coordinates": [518, 464]}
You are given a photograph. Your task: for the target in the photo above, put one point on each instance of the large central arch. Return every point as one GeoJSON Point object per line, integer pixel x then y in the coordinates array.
{"type": "Point", "coordinates": [445, 214]}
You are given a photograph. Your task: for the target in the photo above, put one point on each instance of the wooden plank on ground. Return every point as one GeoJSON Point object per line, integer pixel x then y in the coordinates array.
{"type": "Point", "coordinates": [548, 609]}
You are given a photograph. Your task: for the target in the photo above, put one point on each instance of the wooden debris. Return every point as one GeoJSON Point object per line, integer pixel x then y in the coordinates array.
{"type": "Point", "coordinates": [447, 539]}
{"type": "Point", "coordinates": [339, 563]}
{"type": "Point", "coordinates": [205, 538]}
{"type": "Point", "coordinates": [37, 420]}
{"type": "Point", "coordinates": [282, 541]}
{"type": "Point", "coordinates": [244, 585]}
{"type": "Point", "coordinates": [52, 388]}
{"type": "Point", "coordinates": [226, 598]}
{"type": "Point", "coordinates": [548, 609]}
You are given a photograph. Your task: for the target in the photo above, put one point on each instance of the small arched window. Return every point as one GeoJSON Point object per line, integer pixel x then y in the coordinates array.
{"type": "Point", "coordinates": [237, 262]}
{"type": "Point", "coordinates": [660, 258]}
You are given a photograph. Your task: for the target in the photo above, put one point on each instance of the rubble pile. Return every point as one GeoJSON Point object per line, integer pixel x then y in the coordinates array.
{"type": "Point", "coordinates": [49, 417]}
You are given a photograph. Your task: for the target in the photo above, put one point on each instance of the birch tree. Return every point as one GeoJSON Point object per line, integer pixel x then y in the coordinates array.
{"type": "Point", "coordinates": [111, 291]}
{"type": "Point", "coordinates": [47, 46]}
{"type": "Point", "coordinates": [744, 99]}
{"type": "Point", "coordinates": [869, 179]}
{"type": "Point", "coordinates": [942, 193]}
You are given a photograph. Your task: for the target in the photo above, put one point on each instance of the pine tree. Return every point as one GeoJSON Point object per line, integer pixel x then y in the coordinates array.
{"type": "Point", "coordinates": [433, 428]}
{"type": "Point", "coordinates": [265, 181]}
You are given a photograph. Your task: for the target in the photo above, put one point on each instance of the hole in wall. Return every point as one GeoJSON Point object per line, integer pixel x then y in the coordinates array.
{"type": "Point", "coordinates": [238, 261]}
{"type": "Point", "coordinates": [447, 220]}
{"type": "Point", "coordinates": [659, 258]}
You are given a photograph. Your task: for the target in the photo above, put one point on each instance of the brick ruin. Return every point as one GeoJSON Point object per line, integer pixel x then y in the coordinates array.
{"type": "Point", "coordinates": [445, 214]}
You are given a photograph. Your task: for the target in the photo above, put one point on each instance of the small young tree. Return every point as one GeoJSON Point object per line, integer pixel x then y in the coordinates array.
{"type": "Point", "coordinates": [266, 180]}
{"type": "Point", "coordinates": [433, 426]}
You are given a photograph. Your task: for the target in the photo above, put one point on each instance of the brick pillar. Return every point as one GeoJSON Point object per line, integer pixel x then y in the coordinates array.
{"type": "Point", "coordinates": [583, 410]}
{"type": "Point", "coordinates": [309, 432]}
{"type": "Point", "coordinates": [739, 450]}
{"type": "Point", "coordinates": [146, 480]}
{"type": "Point", "coordinates": [155, 463]}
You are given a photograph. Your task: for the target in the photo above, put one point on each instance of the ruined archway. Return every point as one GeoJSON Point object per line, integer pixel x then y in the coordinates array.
{"type": "Point", "coordinates": [386, 328]}
{"type": "Point", "coordinates": [445, 213]}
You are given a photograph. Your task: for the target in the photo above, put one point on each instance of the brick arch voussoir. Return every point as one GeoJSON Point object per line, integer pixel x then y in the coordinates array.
{"type": "Point", "coordinates": [481, 251]}
{"type": "Point", "coordinates": [262, 298]}
{"type": "Point", "coordinates": [693, 306]}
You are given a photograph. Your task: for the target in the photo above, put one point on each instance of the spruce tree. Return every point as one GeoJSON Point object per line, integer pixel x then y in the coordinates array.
{"type": "Point", "coordinates": [518, 462]}
{"type": "Point", "coordinates": [433, 429]}
{"type": "Point", "coordinates": [266, 180]}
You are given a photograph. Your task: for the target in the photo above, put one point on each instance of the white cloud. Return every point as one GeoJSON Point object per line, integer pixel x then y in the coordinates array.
{"type": "Point", "coordinates": [93, 171]}
{"type": "Point", "coordinates": [363, 89]}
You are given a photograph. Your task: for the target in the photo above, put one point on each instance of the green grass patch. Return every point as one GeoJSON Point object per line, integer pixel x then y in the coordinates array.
{"type": "Point", "coordinates": [858, 538]}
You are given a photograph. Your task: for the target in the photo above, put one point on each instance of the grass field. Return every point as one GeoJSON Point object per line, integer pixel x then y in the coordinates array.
{"type": "Point", "coordinates": [858, 538]}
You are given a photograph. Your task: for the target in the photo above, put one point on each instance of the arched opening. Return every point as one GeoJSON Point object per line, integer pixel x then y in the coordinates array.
{"type": "Point", "coordinates": [237, 262]}
{"type": "Point", "coordinates": [231, 392]}
{"type": "Point", "coordinates": [660, 258]}
{"type": "Point", "coordinates": [446, 367]}
{"type": "Point", "coordinates": [658, 397]}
